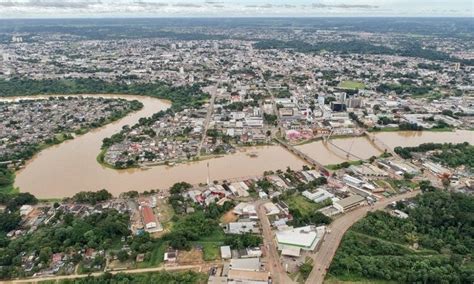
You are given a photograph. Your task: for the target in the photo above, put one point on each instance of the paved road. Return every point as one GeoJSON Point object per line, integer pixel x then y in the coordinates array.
{"type": "Point", "coordinates": [277, 271]}
{"type": "Point", "coordinates": [210, 110]}
{"type": "Point", "coordinates": [141, 270]}
{"type": "Point", "coordinates": [323, 257]}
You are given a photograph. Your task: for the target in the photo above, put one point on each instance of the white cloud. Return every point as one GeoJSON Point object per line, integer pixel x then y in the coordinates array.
{"type": "Point", "coordinates": [204, 8]}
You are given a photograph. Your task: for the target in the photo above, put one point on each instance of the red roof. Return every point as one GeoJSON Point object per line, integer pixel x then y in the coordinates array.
{"type": "Point", "coordinates": [148, 216]}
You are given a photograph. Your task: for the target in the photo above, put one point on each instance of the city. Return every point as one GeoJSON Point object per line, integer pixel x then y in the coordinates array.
{"type": "Point", "coordinates": [237, 151]}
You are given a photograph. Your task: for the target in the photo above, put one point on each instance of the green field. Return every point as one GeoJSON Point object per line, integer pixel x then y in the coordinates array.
{"type": "Point", "coordinates": [156, 256]}
{"type": "Point", "coordinates": [353, 85]}
{"type": "Point", "coordinates": [303, 204]}
{"type": "Point", "coordinates": [211, 245]}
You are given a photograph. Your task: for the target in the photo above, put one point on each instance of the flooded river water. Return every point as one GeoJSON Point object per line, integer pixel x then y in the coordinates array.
{"type": "Point", "coordinates": [65, 169]}
{"type": "Point", "coordinates": [362, 148]}
{"type": "Point", "coordinates": [70, 167]}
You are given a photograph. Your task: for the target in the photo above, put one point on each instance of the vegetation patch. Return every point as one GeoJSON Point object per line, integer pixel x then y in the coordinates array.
{"type": "Point", "coordinates": [352, 85]}
{"type": "Point", "coordinates": [431, 246]}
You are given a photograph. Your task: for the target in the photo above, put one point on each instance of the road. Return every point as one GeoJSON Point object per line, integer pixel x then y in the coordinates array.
{"type": "Point", "coordinates": [323, 257]}
{"type": "Point", "coordinates": [210, 110]}
{"type": "Point", "coordinates": [95, 274]}
{"type": "Point", "coordinates": [277, 271]}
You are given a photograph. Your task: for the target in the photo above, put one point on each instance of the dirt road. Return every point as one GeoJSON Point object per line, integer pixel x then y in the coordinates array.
{"type": "Point", "coordinates": [277, 271]}
{"type": "Point", "coordinates": [74, 276]}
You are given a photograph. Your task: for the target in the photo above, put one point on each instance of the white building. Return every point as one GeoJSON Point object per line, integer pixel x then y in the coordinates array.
{"type": "Point", "coordinates": [225, 252]}
{"type": "Point", "coordinates": [296, 239]}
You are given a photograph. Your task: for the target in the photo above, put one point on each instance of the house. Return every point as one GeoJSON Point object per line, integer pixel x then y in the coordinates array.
{"type": "Point", "coordinates": [171, 256]}
{"type": "Point", "coordinates": [246, 210]}
{"type": "Point", "coordinates": [250, 252]}
{"type": "Point", "coordinates": [399, 214]}
{"type": "Point", "coordinates": [271, 209]}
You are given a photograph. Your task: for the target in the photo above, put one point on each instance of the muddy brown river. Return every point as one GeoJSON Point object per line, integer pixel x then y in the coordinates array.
{"type": "Point", "coordinates": [65, 169]}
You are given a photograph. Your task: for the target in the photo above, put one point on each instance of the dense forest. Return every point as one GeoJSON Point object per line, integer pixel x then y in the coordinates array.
{"type": "Point", "coordinates": [183, 96]}
{"type": "Point", "coordinates": [433, 245]}
{"type": "Point", "coordinates": [448, 154]}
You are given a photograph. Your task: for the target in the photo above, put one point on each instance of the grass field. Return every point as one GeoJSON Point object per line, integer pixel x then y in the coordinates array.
{"type": "Point", "coordinates": [353, 85]}
{"type": "Point", "coordinates": [156, 256]}
{"type": "Point", "coordinates": [211, 245]}
{"type": "Point", "coordinates": [303, 204]}
{"type": "Point", "coordinates": [211, 250]}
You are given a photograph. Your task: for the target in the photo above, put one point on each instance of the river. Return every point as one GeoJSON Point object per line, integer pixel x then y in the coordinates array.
{"type": "Point", "coordinates": [65, 169]}
{"type": "Point", "coordinates": [364, 149]}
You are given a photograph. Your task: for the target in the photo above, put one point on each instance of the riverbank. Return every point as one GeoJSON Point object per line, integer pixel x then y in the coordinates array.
{"type": "Point", "coordinates": [61, 137]}
{"type": "Point", "coordinates": [76, 160]}
{"type": "Point", "coordinates": [397, 129]}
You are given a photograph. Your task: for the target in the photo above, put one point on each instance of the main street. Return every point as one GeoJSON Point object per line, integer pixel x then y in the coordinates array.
{"type": "Point", "coordinates": [210, 110]}
{"type": "Point", "coordinates": [279, 275]}
{"type": "Point", "coordinates": [323, 257]}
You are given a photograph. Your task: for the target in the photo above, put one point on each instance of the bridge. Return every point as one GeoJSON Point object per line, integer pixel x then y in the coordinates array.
{"type": "Point", "coordinates": [380, 144]}
{"type": "Point", "coordinates": [348, 154]}
{"type": "Point", "coordinates": [303, 156]}
{"type": "Point", "coordinates": [327, 140]}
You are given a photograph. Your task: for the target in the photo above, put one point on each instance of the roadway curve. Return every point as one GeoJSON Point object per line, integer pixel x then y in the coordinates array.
{"type": "Point", "coordinates": [323, 257]}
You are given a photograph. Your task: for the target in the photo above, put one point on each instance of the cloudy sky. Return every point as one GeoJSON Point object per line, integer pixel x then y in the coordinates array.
{"type": "Point", "coordinates": [232, 8]}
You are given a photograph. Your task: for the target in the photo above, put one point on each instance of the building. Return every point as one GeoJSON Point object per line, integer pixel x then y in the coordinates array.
{"type": "Point", "coordinates": [225, 252]}
{"type": "Point", "coordinates": [170, 256]}
{"type": "Point", "coordinates": [349, 203]}
{"type": "Point", "coordinates": [253, 277]}
{"type": "Point", "coordinates": [399, 214]}
{"type": "Point", "coordinates": [25, 210]}
{"type": "Point", "coordinates": [271, 209]}
{"type": "Point", "coordinates": [245, 264]}
{"type": "Point", "coordinates": [291, 241]}
{"type": "Point", "coordinates": [318, 196]}
{"type": "Point", "coordinates": [148, 217]}
{"type": "Point", "coordinates": [242, 227]}
{"type": "Point", "coordinates": [436, 169]}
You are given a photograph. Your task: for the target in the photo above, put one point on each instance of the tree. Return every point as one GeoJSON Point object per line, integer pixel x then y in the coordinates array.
{"type": "Point", "coordinates": [180, 187]}
{"type": "Point", "coordinates": [305, 269]}
{"type": "Point", "coordinates": [122, 255]}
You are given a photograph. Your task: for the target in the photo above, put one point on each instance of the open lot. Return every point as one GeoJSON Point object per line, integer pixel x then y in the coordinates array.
{"type": "Point", "coordinates": [303, 204]}
{"type": "Point", "coordinates": [351, 85]}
